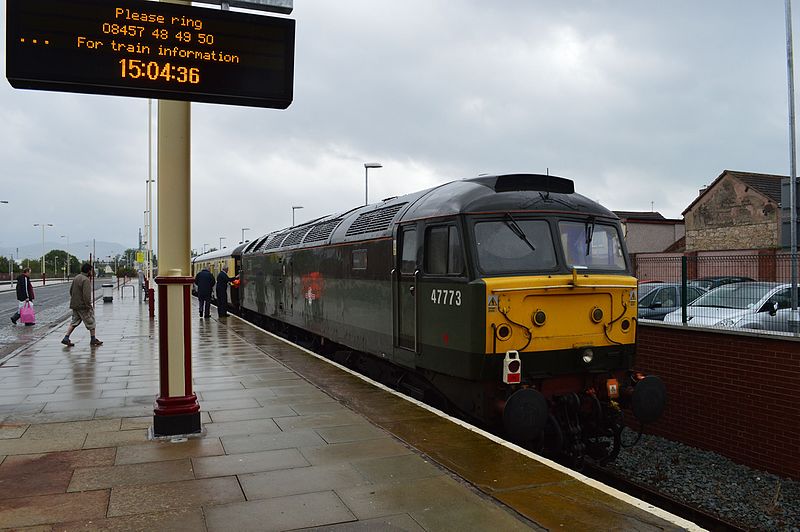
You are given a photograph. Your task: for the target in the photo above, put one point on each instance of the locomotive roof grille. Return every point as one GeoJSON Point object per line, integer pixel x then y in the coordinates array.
{"type": "Point", "coordinates": [275, 241]}
{"type": "Point", "coordinates": [377, 220]}
{"type": "Point", "coordinates": [542, 183]}
{"type": "Point", "coordinates": [260, 244]}
{"type": "Point", "coordinates": [295, 237]}
{"type": "Point", "coordinates": [322, 231]}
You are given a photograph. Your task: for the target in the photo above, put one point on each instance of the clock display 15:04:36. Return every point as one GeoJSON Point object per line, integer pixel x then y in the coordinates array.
{"type": "Point", "coordinates": [135, 69]}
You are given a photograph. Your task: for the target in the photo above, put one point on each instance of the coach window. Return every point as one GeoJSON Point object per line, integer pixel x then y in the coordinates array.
{"type": "Point", "coordinates": [408, 253]}
{"type": "Point", "coordinates": [443, 253]}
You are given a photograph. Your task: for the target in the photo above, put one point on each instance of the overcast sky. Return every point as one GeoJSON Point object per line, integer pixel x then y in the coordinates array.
{"type": "Point", "coordinates": [637, 101]}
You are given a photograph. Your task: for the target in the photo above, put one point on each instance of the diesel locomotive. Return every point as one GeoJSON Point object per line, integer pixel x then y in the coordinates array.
{"type": "Point", "coordinates": [509, 299]}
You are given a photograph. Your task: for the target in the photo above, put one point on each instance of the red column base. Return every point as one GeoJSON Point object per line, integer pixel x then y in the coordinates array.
{"type": "Point", "coordinates": [176, 415]}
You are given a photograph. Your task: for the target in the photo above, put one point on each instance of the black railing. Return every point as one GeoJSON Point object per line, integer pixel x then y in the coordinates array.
{"type": "Point", "coordinates": [743, 291]}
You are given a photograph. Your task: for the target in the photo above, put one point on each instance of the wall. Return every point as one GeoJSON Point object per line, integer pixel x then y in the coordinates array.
{"type": "Point", "coordinates": [729, 392]}
{"type": "Point", "coordinates": [644, 237]}
{"type": "Point", "coordinates": [731, 216]}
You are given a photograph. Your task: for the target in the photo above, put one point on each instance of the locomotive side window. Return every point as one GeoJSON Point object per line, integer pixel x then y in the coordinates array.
{"type": "Point", "coordinates": [359, 259]}
{"type": "Point", "coordinates": [590, 245]}
{"type": "Point", "coordinates": [408, 252]}
{"type": "Point", "coordinates": [443, 253]}
{"type": "Point", "coordinates": [514, 245]}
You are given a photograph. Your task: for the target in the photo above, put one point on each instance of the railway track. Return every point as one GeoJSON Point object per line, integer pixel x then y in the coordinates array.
{"type": "Point", "coordinates": [644, 493]}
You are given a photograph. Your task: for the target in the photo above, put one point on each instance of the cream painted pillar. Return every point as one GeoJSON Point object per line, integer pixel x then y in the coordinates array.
{"type": "Point", "coordinates": [177, 410]}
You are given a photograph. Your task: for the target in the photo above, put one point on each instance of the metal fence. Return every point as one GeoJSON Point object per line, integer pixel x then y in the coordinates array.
{"type": "Point", "coordinates": [750, 290]}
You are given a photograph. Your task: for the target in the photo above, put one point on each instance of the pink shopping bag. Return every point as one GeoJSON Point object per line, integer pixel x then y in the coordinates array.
{"type": "Point", "coordinates": [26, 313]}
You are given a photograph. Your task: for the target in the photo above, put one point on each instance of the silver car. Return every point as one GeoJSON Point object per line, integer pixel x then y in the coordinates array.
{"type": "Point", "coordinates": [748, 304]}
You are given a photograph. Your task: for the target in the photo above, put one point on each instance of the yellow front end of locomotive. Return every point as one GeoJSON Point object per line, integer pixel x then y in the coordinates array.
{"type": "Point", "coordinates": [556, 312]}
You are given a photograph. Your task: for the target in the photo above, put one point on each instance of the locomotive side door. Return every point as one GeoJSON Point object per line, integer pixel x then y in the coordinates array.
{"type": "Point", "coordinates": [405, 296]}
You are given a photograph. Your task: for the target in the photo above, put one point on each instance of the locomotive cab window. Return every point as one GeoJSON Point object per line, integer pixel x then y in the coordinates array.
{"type": "Point", "coordinates": [514, 245]}
{"type": "Point", "coordinates": [591, 245]}
{"type": "Point", "coordinates": [443, 252]}
{"type": "Point", "coordinates": [408, 250]}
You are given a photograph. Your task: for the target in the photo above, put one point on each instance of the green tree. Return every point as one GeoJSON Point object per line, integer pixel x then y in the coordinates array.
{"type": "Point", "coordinates": [56, 263]}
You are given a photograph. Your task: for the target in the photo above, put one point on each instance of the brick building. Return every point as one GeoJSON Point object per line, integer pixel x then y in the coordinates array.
{"type": "Point", "coordinates": [738, 211]}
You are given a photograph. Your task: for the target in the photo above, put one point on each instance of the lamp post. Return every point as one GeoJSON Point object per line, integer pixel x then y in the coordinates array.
{"type": "Point", "coordinates": [243, 230]}
{"type": "Point", "coordinates": [221, 239]}
{"type": "Point", "coordinates": [294, 208]}
{"type": "Point", "coordinates": [10, 264]}
{"type": "Point", "coordinates": [43, 226]}
{"type": "Point", "coordinates": [68, 261]}
{"type": "Point", "coordinates": [367, 166]}
{"type": "Point", "coordinates": [792, 157]}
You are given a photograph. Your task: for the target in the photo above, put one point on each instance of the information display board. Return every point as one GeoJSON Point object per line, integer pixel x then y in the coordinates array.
{"type": "Point", "coordinates": [150, 50]}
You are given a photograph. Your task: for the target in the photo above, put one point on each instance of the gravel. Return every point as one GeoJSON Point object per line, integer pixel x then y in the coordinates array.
{"type": "Point", "coordinates": [751, 499]}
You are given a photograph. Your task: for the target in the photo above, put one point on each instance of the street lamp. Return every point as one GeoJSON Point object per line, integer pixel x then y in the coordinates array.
{"type": "Point", "coordinates": [43, 226]}
{"type": "Point", "coordinates": [294, 208]}
{"type": "Point", "coordinates": [68, 261]}
{"type": "Point", "coordinates": [221, 239]}
{"type": "Point", "coordinates": [10, 264]}
{"type": "Point", "coordinates": [367, 166]}
{"type": "Point", "coordinates": [243, 230]}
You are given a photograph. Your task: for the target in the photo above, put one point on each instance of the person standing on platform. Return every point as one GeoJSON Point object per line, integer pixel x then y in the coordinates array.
{"type": "Point", "coordinates": [222, 291]}
{"type": "Point", "coordinates": [204, 280]}
{"type": "Point", "coordinates": [24, 292]}
{"type": "Point", "coordinates": [81, 296]}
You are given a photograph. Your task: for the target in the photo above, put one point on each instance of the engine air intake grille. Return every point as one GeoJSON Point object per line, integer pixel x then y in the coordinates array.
{"type": "Point", "coordinates": [377, 220]}
{"type": "Point", "coordinates": [295, 237]}
{"type": "Point", "coordinates": [322, 231]}
{"type": "Point", "coordinates": [275, 241]}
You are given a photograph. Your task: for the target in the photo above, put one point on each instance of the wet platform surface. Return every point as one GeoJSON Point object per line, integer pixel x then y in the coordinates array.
{"type": "Point", "coordinates": [292, 442]}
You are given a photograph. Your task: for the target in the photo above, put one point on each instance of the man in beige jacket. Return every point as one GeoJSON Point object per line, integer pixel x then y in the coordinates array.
{"type": "Point", "coordinates": [80, 301]}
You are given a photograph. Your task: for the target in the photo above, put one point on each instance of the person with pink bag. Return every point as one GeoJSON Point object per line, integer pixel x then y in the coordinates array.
{"type": "Point", "coordinates": [25, 298]}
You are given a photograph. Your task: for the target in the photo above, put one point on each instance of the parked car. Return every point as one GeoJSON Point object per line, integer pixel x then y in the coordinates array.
{"type": "Point", "coordinates": [663, 298]}
{"type": "Point", "coordinates": [735, 305]}
{"type": "Point", "coordinates": [709, 283]}
{"type": "Point", "coordinates": [646, 286]}
{"type": "Point", "coordinates": [775, 320]}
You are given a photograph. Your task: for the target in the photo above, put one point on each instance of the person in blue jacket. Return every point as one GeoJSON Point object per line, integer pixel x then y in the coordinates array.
{"type": "Point", "coordinates": [204, 280]}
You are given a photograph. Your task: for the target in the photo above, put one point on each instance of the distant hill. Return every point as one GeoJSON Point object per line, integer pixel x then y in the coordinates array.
{"type": "Point", "coordinates": [79, 249]}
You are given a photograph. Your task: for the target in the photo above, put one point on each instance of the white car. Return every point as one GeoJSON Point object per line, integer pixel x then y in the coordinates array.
{"type": "Point", "coordinates": [736, 305]}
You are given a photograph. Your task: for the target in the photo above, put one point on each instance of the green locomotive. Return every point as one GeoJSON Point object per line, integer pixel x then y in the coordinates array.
{"type": "Point", "coordinates": [508, 298]}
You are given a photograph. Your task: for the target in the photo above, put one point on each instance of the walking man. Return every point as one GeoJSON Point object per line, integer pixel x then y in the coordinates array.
{"type": "Point", "coordinates": [205, 282]}
{"type": "Point", "coordinates": [80, 301]}
{"type": "Point", "coordinates": [24, 292]}
{"type": "Point", "coordinates": [222, 292]}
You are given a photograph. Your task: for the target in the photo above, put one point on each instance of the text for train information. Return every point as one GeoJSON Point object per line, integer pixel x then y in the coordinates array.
{"type": "Point", "coordinates": [138, 48]}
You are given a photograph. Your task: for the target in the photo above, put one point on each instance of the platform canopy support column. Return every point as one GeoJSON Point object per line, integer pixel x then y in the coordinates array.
{"type": "Point", "coordinates": [177, 411]}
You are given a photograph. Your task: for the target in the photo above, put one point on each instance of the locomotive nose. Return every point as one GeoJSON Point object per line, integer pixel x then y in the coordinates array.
{"type": "Point", "coordinates": [649, 399]}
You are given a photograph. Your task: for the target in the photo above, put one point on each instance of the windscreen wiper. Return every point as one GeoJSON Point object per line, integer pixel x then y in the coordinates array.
{"type": "Point", "coordinates": [589, 229]}
{"type": "Point", "coordinates": [517, 230]}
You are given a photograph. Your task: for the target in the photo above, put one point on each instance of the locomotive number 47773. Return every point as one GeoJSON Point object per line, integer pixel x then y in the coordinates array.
{"type": "Point", "coordinates": [446, 297]}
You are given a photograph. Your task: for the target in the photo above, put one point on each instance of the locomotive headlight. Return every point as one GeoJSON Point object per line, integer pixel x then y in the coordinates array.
{"type": "Point", "coordinates": [588, 356]}
{"type": "Point", "coordinates": [538, 318]}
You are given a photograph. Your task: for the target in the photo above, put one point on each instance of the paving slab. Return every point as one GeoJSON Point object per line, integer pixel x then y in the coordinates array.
{"type": "Point", "coordinates": [183, 520]}
{"type": "Point", "coordinates": [28, 511]}
{"type": "Point", "coordinates": [95, 478]}
{"type": "Point", "coordinates": [237, 464]}
{"type": "Point", "coordinates": [286, 513]}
